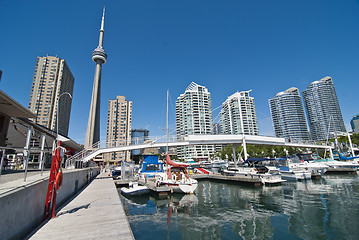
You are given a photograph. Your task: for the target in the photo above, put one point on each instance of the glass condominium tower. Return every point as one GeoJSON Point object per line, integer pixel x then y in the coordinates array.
{"type": "Point", "coordinates": [194, 116]}
{"type": "Point", "coordinates": [52, 78]}
{"type": "Point", "coordinates": [287, 114]}
{"type": "Point", "coordinates": [323, 110]}
{"type": "Point", "coordinates": [238, 114]}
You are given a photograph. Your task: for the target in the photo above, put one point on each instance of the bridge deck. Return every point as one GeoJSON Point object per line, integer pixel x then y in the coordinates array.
{"type": "Point", "coordinates": [96, 213]}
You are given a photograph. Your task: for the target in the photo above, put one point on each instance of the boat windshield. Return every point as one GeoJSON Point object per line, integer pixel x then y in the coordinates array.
{"type": "Point", "coordinates": [153, 167]}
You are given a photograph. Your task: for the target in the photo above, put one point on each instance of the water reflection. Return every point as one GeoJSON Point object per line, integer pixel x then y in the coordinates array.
{"type": "Point", "coordinates": [326, 208]}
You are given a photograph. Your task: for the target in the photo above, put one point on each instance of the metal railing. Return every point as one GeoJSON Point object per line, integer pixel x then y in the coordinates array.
{"type": "Point", "coordinates": [76, 161]}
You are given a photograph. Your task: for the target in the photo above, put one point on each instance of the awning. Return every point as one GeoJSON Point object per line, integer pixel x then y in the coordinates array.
{"type": "Point", "coordinates": [10, 107]}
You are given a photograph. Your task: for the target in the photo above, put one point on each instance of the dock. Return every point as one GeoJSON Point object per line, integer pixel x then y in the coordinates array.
{"type": "Point", "coordinates": [165, 190]}
{"type": "Point", "coordinates": [95, 213]}
{"type": "Point", "coordinates": [235, 179]}
{"type": "Point", "coordinates": [150, 183]}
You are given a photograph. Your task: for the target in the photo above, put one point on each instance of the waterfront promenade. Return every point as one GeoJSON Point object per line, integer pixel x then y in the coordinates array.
{"type": "Point", "coordinates": [95, 213]}
{"type": "Point", "coordinates": [11, 180]}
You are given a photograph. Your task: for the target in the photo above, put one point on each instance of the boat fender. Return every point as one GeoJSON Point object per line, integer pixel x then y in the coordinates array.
{"type": "Point", "coordinates": [58, 180]}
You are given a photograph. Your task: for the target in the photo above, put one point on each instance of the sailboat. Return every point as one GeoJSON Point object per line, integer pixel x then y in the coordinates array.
{"type": "Point", "coordinates": [177, 177]}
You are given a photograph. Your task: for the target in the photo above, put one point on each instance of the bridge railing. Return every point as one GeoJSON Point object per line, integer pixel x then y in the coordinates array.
{"type": "Point", "coordinates": [76, 161]}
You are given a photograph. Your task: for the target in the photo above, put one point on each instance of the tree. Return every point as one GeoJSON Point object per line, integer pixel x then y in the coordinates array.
{"type": "Point", "coordinates": [259, 151]}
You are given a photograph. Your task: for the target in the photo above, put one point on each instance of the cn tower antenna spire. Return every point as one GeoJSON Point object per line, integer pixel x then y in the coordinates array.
{"type": "Point", "coordinates": [99, 56]}
{"type": "Point", "coordinates": [102, 30]}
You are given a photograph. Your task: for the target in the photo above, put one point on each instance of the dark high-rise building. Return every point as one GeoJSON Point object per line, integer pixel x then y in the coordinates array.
{"type": "Point", "coordinates": [355, 124]}
{"type": "Point", "coordinates": [138, 136]}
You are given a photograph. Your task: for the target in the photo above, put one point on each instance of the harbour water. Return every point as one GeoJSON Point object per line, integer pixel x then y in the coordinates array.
{"type": "Point", "coordinates": [326, 208]}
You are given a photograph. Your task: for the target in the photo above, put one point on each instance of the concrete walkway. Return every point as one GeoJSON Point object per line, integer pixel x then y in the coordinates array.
{"type": "Point", "coordinates": [14, 181]}
{"type": "Point", "coordinates": [96, 213]}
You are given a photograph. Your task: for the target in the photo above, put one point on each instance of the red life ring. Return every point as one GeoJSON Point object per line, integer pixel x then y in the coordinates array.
{"type": "Point", "coordinates": [58, 180]}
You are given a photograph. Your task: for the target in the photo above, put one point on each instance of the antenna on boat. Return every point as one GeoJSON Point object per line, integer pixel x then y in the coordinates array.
{"type": "Point", "coordinates": [167, 124]}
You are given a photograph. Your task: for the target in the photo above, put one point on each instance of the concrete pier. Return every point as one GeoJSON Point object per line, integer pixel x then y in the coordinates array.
{"type": "Point", "coordinates": [96, 213]}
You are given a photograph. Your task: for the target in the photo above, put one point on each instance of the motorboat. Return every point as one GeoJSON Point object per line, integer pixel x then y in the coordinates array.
{"type": "Point", "coordinates": [291, 170]}
{"type": "Point", "coordinates": [306, 162]}
{"type": "Point", "coordinates": [219, 163]}
{"type": "Point", "coordinates": [252, 169]}
{"type": "Point", "coordinates": [116, 173]}
{"type": "Point", "coordinates": [193, 164]}
{"type": "Point", "coordinates": [150, 167]}
{"type": "Point", "coordinates": [338, 166]}
{"type": "Point", "coordinates": [134, 189]}
{"type": "Point", "coordinates": [294, 173]}
{"type": "Point", "coordinates": [345, 157]}
{"type": "Point", "coordinates": [205, 164]}
{"type": "Point", "coordinates": [176, 177]}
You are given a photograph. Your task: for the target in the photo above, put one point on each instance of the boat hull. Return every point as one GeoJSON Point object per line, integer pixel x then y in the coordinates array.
{"type": "Point", "coordinates": [296, 175]}
{"type": "Point", "coordinates": [137, 191]}
{"type": "Point", "coordinates": [181, 187]}
{"type": "Point", "coordinates": [248, 173]}
{"type": "Point", "coordinates": [272, 179]}
{"type": "Point", "coordinates": [343, 169]}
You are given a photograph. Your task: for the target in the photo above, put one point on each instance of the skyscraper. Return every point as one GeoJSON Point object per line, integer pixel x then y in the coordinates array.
{"type": "Point", "coordinates": [323, 110]}
{"type": "Point", "coordinates": [52, 78]}
{"type": "Point", "coordinates": [287, 114]}
{"type": "Point", "coordinates": [99, 56]}
{"type": "Point", "coordinates": [194, 116]}
{"type": "Point", "coordinates": [119, 119]}
{"type": "Point", "coordinates": [238, 114]}
{"type": "Point", "coordinates": [355, 124]}
{"type": "Point", "coordinates": [138, 136]}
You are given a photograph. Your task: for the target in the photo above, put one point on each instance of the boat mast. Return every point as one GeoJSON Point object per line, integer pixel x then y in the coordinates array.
{"type": "Point", "coordinates": [167, 124]}
{"type": "Point", "coordinates": [351, 145]}
{"type": "Point", "coordinates": [326, 144]}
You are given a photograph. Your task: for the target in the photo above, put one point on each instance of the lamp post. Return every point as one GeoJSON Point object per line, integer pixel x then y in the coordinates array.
{"type": "Point", "coordinates": [57, 114]}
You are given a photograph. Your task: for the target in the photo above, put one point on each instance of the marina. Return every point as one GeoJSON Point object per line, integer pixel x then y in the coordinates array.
{"type": "Point", "coordinates": [236, 205]}
{"type": "Point", "coordinates": [222, 165]}
{"type": "Point", "coordinates": [313, 209]}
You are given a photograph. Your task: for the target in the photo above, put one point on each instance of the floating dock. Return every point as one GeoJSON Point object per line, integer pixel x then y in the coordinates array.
{"type": "Point", "coordinates": [150, 183]}
{"type": "Point", "coordinates": [234, 179]}
{"type": "Point", "coordinates": [163, 190]}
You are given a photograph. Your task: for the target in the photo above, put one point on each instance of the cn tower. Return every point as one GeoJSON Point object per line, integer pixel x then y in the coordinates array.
{"type": "Point", "coordinates": [99, 56]}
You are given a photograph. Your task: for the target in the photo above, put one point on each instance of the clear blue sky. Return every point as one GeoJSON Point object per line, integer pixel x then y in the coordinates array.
{"type": "Point", "coordinates": [264, 45]}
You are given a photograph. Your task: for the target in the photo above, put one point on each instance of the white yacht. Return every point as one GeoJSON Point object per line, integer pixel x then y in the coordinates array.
{"type": "Point", "coordinates": [306, 162]}
{"type": "Point", "coordinates": [339, 166]}
{"type": "Point", "coordinates": [267, 174]}
{"type": "Point", "coordinates": [134, 189]}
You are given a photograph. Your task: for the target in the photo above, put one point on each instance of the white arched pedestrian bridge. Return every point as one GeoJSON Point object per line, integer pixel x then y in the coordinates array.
{"type": "Point", "coordinates": [115, 146]}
